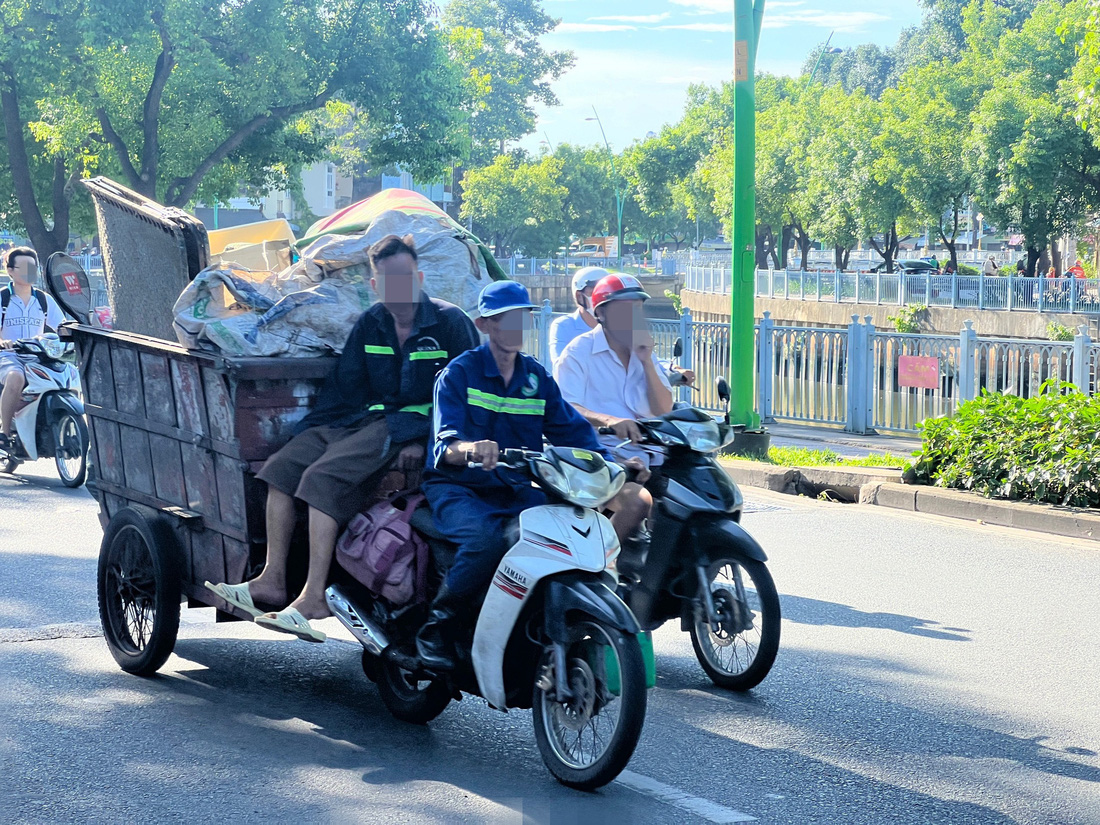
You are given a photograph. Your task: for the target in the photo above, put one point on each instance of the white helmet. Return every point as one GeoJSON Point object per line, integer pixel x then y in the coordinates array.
{"type": "Point", "coordinates": [587, 276]}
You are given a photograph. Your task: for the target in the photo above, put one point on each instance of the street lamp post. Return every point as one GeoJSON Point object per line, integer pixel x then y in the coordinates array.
{"type": "Point", "coordinates": [824, 50]}
{"type": "Point", "coordinates": [615, 176]}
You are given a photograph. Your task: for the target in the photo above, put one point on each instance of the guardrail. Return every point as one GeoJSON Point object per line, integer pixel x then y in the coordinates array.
{"type": "Point", "coordinates": [1074, 296]}
{"type": "Point", "coordinates": [856, 377]}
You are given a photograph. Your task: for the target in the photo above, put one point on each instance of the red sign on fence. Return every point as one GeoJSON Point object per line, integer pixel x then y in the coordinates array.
{"type": "Point", "coordinates": [919, 371]}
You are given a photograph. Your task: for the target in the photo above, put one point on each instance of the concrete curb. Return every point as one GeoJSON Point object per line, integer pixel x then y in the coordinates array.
{"type": "Point", "coordinates": [882, 487]}
{"type": "Point", "coordinates": [1025, 515]}
{"type": "Point", "coordinates": [843, 482]}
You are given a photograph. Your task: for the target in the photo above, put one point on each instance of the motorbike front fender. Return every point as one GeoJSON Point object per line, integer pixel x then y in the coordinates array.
{"type": "Point", "coordinates": [59, 402]}
{"type": "Point", "coordinates": [724, 537]}
{"type": "Point", "coordinates": [587, 594]}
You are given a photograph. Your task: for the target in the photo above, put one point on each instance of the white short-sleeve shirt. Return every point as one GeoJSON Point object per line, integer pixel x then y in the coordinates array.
{"type": "Point", "coordinates": [26, 320]}
{"type": "Point", "coordinates": [564, 330]}
{"type": "Point", "coordinates": [590, 374]}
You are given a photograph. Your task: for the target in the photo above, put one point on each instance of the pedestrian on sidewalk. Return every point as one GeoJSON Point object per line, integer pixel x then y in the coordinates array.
{"type": "Point", "coordinates": [991, 267]}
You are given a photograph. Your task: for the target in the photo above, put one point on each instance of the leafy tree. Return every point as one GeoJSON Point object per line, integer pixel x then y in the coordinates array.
{"type": "Point", "coordinates": [867, 67]}
{"type": "Point", "coordinates": [187, 99]}
{"type": "Point", "coordinates": [509, 196]}
{"type": "Point", "coordinates": [497, 44]}
{"type": "Point", "coordinates": [925, 120]}
{"type": "Point", "coordinates": [1035, 169]}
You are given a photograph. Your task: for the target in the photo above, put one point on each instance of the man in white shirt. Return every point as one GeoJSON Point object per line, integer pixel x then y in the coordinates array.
{"type": "Point", "coordinates": [25, 312]}
{"type": "Point", "coordinates": [568, 327]}
{"type": "Point", "coordinates": [611, 375]}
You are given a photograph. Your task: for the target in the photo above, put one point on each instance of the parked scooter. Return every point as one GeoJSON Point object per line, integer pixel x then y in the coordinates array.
{"type": "Point", "coordinates": [551, 635]}
{"type": "Point", "coordinates": [52, 422]}
{"type": "Point", "coordinates": [699, 564]}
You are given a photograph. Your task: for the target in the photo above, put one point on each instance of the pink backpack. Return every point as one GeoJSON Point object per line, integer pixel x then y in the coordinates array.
{"type": "Point", "coordinates": [384, 553]}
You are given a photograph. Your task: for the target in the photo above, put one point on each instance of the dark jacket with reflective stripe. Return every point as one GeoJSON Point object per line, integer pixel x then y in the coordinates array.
{"type": "Point", "coordinates": [473, 404]}
{"type": "Point", "coordinates": [376, 375]}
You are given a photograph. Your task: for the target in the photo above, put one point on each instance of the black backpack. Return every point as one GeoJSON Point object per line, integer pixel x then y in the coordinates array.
{"type": "Point", "coordinates": [5, 299]}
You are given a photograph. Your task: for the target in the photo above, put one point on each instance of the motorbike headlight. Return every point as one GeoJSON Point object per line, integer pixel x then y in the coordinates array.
{"type": "Point", "coordinates": [52, 346]}
{"type": "Point", "coordinates": [582, 487]}
{"type": "Point", "coordinates": [701, 436]}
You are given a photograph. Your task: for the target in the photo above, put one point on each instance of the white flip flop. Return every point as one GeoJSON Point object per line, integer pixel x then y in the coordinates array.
{"type": "Point", "coordinates": [292, 622]}
{"type": "Point", "coordinates": [237, 595]}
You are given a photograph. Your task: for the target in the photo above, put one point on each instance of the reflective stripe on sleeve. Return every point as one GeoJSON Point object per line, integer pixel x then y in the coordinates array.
{"type": "Point", "coordinates": [373, 350]}
{"type": "Point", "coordinates": [498, 404]}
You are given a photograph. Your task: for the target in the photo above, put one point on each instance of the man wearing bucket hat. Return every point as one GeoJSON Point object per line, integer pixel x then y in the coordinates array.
{"type": "Point", "coordinates": [488, 399]}
{"type": "Point", "coordinates": [568, 327]}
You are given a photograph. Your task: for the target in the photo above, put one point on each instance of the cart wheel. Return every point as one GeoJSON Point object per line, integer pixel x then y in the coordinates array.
{"type": "Point", "coordinates": [139, 590]}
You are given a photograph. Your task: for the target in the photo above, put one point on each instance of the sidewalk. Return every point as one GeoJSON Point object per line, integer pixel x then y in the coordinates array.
{"type": "Point", "coordinates": [845, 444]}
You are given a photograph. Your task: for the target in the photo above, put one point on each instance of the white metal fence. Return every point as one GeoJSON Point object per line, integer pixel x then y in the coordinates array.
{"type": "Point", "coordinates": [1012, 294]}
{"type": "Point", "coordinates": [855, 377]}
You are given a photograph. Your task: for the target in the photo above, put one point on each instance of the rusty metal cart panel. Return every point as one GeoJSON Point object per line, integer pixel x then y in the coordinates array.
{"type": "Point", "coordinates": [182, 433]}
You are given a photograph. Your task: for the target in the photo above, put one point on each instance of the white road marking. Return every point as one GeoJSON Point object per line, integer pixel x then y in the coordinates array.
{"type": "Point", "coordinates": [704, 808]}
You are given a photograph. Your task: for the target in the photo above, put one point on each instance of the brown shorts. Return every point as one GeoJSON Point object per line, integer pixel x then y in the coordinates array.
{"type": "Point", "coordinates": [333, 469]}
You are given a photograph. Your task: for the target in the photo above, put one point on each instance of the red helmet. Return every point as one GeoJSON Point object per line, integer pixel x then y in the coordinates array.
{"type": "Point", "coordinates": [617, 288]}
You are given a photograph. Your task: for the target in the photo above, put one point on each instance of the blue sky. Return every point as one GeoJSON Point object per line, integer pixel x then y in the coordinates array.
{"type": "Point", "coordinates": [636, 58]}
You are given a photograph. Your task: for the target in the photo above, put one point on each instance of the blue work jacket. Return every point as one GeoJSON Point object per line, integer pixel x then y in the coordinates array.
{"type": "Point", "coordinates": [471, 403]}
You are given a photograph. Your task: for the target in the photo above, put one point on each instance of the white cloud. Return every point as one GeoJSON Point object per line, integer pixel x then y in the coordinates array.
{"type": "Point", "coordinates": [638, 18]}
{"type": "Point", "coordinates": [587, 28]}
{"type": "Point", "coordinates": [708, 6]}
{"type": "Point", "coordinates": [841, 21]}
{"type": "Point", "coordinates": [701, 27]}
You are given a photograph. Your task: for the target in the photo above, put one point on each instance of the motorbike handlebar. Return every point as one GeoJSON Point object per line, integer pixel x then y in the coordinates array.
{"type": "Point", "coordinates": [513, 458]}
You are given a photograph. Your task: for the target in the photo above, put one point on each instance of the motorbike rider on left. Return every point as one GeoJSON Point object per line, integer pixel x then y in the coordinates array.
{"type": "Point", "coordinates": [26, 313]}
{"type": "Point", "coordinates": [491, 398]}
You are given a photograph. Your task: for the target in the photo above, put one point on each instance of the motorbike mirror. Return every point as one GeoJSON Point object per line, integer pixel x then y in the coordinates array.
{"type": "Point", "coordinates": [723, 389]}
{"type": "Point", "coordinates": [678, 348]}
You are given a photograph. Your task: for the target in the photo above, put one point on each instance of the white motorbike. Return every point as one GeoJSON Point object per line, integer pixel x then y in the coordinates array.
{"type": "Point", "coordinates": [52, 421]}
{"type": "Point", "coordinates": [551, 635]}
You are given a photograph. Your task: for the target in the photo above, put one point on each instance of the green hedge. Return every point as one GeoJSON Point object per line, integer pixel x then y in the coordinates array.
{"type": "Point", "coordinates": [1043, 449]}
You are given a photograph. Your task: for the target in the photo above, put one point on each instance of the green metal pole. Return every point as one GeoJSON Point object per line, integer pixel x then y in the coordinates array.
{"type": "Point", "coordinates": [746, 25]}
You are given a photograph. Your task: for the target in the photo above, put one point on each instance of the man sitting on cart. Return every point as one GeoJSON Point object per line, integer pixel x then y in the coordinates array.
{"type": "Point", "coordinates": [374, 413]}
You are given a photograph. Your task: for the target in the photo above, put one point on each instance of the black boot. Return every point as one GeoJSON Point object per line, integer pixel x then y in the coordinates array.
{"type": "Point", "coordinates": [435, 640]}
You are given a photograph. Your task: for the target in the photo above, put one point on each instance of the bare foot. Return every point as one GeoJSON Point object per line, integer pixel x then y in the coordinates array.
{"type": "Point", "coordinates": [266, 592]}
{"type": "Point", "coordinates": [311, 607]}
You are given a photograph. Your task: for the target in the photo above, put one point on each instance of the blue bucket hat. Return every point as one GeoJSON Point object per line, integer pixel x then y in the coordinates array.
{"type": "Point", "coordinates": [502, 296]}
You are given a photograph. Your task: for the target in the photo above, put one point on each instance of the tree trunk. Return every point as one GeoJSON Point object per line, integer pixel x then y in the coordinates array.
{"type": "Point", "coordinates": [1056, 258]}
{"type": "Point", "coordinates": [46, 241]}
{"type": "Point", "coordinates": [841, 256]}
{"type": "Point", "coordinates": [1044, 262]}
{"type": "Point", "coordinates": [785, 246]}
{"type": "Point", "coordinates": [1033, 257]}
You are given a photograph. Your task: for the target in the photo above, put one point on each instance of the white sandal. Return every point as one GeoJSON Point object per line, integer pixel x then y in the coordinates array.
{"type": "Point", "coordinates": [292, 622]}
{"type": "Point", "coordinates": [237, 595]}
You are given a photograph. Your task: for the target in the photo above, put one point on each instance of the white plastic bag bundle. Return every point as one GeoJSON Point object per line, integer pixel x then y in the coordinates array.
{"type": "Point", "coordinates": [242, 313]}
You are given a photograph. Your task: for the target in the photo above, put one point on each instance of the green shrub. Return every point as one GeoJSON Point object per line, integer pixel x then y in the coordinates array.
{"type": "Point", "coordinates": [908, 318]}
{"type": "Point", "coordinates": [676, 301]}
{"type": "Point", "coordinates": [1059, 332]}
{"type": "Point", "coordinates": [968, 271]}
{"type": "Point", "coordinates": [1044, 449]}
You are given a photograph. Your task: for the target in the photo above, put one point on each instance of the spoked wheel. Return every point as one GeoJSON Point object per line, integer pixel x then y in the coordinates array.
{"type": "Point", "coordinates": [739, 651]}
{"type": "Point", "coordinates": [139, 591]}
{"type": "Point", "coordinates": [408, 698]}
{"type": "Point", "coordinates": [70, 450]}
{"type": "Point", "coordinates": [587, 740]}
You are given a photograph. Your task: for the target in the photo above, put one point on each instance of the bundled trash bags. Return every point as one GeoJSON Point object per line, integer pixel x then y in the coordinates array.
{"type": "Point", "coordinates": [308, 309]}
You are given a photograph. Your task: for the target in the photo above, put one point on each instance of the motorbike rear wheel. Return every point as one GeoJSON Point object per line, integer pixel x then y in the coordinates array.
{"type": "Point", "coordinates": [740, 651]}
{"type": "Point", "coordinates": [587, 741]}
{"type": "Point", "coordinates": [417, 701]}
{"type": "Point", "coordinates": [70, 450]}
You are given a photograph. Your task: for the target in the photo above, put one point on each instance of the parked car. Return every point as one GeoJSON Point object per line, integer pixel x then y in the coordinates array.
{"type": "Point", "coordinates": [910, 267]}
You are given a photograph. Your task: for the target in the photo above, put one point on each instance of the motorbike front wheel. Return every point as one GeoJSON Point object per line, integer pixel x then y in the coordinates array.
{"type": "Point", "coordinates": [70, 450]}
{"type": "Point", "coordinates": [740, 650]}
{"type": "Point", "coordinates": [588, 740]}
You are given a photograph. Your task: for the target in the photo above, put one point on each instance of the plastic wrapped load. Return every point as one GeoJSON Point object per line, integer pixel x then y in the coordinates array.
{"type": "Point", "coordinates": [305, 311]}
{"type": "Point", "coordinates": [455, 264]}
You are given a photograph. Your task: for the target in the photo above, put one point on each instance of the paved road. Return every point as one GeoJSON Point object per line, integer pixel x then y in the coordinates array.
{"type": "Point", "coordinates": [931, 672]}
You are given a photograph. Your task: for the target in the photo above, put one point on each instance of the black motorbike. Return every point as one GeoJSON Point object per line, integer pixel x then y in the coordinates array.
{"type": "Point", "coordinates": [698, 564]}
